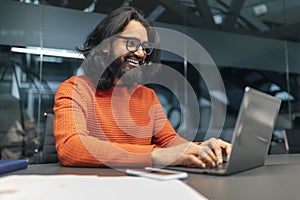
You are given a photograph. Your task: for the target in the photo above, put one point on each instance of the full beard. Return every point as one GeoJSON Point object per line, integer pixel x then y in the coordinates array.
{"type": "Point", "coordinates": [128, 74]}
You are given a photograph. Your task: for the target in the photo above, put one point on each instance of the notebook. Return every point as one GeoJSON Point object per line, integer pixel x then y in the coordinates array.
{"type": "Point", "coordinates": [12, 165]}
{"type": "Point", "coordinates": [251, 137]}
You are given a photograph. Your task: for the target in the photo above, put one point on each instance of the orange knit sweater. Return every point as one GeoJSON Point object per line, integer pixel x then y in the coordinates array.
{"type": "Point", "coordinates": [117, 127]}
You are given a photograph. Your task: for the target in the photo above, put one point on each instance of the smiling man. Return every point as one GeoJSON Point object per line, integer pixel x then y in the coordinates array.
{"type": "Point", "coordinates": [108, 118]}
{"type": "Point", "coordinates": [134, 38]}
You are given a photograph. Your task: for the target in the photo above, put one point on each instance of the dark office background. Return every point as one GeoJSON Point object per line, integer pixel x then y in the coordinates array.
{"type": "Point", "coordinates": [253, 43]}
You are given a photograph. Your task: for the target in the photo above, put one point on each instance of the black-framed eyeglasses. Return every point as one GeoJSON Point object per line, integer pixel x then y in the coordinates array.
{"type": "Point", "coordinates": [133, 44]}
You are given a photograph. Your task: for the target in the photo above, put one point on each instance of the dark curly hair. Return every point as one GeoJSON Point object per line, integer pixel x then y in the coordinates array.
{"type": "Point", "coordinates": [96, 64]}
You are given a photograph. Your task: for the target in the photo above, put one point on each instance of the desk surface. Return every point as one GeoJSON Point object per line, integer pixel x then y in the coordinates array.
{"type": "Point", "coordinates": [278, 179]}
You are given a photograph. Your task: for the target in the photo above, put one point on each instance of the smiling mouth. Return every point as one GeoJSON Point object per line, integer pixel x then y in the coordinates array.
{"type": "Point", "coordinates": [134, 61]}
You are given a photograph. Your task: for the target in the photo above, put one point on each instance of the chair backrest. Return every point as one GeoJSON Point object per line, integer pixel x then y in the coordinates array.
{"type": "Point", "coordinates": [49, 149]}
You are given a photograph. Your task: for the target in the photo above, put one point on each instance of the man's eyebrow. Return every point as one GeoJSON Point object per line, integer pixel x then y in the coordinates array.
{"type": "Point", "coordinates": [133, 37]}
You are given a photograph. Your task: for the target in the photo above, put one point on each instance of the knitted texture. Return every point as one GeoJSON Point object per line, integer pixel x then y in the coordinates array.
{"type": "Point", "coordinates": [117, 127]}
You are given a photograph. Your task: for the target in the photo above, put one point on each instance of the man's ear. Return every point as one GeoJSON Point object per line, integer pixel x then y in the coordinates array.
{"type": "Point", "coordinates": [106, 47]}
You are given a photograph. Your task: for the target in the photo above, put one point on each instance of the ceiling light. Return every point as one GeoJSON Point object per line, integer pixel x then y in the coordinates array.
{"type": "Point", "coordinates": [218, 19]}
{"type": "Point", "coordinates": [48, 52]}
{"type": "Point", "coordinates": [260, 9]}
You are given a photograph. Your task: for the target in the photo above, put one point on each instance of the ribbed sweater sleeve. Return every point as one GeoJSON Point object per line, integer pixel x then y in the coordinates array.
{"type": "Point", "coordinates": [93, 128]}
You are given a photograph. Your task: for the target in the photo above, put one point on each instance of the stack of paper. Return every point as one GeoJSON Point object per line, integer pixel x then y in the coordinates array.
{"type": "Point", "coordinates": [76, 187]}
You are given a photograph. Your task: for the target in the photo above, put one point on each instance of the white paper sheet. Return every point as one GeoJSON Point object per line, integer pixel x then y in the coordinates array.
{"type": "Point", "coordinates": [77, 187]}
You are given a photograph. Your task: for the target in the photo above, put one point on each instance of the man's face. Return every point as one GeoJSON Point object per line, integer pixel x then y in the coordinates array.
{"type": "Point", "coordinates": [126, 60]}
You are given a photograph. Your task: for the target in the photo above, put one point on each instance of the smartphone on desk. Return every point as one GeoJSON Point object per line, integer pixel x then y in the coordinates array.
{"type": "Point", "coordinates": [157, 173]}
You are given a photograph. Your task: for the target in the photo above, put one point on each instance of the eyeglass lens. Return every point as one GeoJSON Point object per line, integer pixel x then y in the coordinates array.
{"type": "Point", "coordinates": [134, 44]}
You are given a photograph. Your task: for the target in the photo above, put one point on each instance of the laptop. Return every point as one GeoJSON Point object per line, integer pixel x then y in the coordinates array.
{"type": "Point", "coordinates": [251, 137]}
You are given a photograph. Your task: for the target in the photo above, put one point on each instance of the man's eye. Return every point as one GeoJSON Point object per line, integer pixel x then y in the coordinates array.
{"type": "Point", "coordinates": [132, 43]}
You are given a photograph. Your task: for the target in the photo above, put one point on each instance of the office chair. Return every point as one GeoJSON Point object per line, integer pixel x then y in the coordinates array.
{"type": "Point", "coordinates": [49, 149]}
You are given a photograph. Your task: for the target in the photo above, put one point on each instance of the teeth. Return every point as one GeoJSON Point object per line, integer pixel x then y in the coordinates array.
{"type": "Point", "coordinates": [133, 61]}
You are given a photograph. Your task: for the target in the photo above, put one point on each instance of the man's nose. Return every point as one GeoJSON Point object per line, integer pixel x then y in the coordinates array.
{"type": "Point", "coordinates": [140, 52]}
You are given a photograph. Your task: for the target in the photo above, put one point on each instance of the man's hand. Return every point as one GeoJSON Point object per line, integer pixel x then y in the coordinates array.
{"type": "Point", "coordinates": [207, 153]}
{"type": "Point", "coordinates": [211, 151]}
